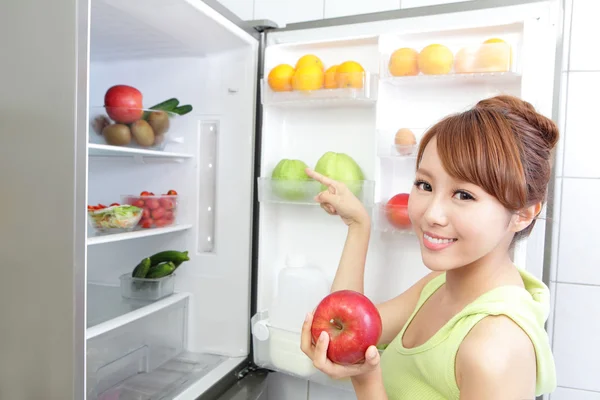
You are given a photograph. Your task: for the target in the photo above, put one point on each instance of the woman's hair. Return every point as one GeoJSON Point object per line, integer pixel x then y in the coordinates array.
{"type": "Point", "coordinates": [502, 145]}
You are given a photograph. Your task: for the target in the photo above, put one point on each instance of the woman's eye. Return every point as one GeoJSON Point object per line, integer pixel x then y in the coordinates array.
{"type": "Point", "coordinates": [460, 195]}
{"type": "Point", "coordinates": [423, 186]}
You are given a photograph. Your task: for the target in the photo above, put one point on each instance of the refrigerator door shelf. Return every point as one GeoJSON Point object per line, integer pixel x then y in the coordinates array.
{"type": "Point", "coordinates": [303, 192]}
{"type": "Point", "coordinates": [279, 350]}
{"type": "Point", "coordinates": [360, 92]}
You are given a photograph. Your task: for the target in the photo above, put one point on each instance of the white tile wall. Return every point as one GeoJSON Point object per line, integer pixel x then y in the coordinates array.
{"type": "Point", "coordinates": [582, 139]}
{"type": "Point", "coordinates": [576, 333]}
{"type": "Point", "coordinates": [585, 32]}
{"type": "Point", "coordinates": [554, 219]}
{"type": "Point", "coordinates": [578, 251]}
{"type": "Point", "coordinates": [288, 11]}
{"type": "Point", "coordinates": [340, 8]}
{"type": "Point", "coordinates": [574, 394]}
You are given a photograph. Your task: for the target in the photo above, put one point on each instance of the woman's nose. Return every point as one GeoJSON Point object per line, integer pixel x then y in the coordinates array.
{"type": "Point", "coordinates": [435, 214]}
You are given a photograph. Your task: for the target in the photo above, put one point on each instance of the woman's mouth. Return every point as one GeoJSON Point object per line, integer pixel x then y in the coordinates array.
{"type": "Point", "coordinates": [434, 242]}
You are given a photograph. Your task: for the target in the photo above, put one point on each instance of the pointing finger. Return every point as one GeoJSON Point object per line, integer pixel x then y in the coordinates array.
{"type": "Point", "coordinates": [318, 177]}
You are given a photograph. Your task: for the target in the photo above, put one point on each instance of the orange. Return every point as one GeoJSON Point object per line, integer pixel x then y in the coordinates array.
{"type": "Point", "coordinates": [309, 77]}
{"type": "Point", "coordinates": [280, 78]}
{"type": "Point", "coordinates": [494, 55]}
{"type": "Point", "coordinates": [435, 59]}
{"type": "Point", "coordinates": [330, 82]}
{"type": "Point", "coordinates": [350, 74]}
{"type": "Point", "coordinates": [403, 62]}
{"type": "Point", "coordinates": [309, 60]}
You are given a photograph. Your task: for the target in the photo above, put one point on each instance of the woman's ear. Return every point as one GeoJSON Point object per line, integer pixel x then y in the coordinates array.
{"type": "Point", "coordinates": [523, 218]}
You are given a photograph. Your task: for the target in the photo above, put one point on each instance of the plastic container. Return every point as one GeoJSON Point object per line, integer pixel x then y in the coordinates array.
{"type": "Point", "coordinates": [106, 221]}
{"type": "Point", "coordinates": [300, 288]}
{"type": "Point", "coordinates": [147, 289]}
{"type": "Point", "coordinates": [142, 128]}
{"type": "Point", "coordinates": [157, 211]}
{"type": "Point", "coordinates": [392, 218]}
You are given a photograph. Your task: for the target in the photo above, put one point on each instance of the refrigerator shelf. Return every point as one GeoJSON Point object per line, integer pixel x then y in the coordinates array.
{"type": "Point", "coordinates": [303, 192]}
{"type": "Point", "coordinates": [279, 350]}
{"type": "Point", "coordinates": [117, 237]}
{"type": "Point", "coordinates": [382, 220]}
{"type": "Point", "coordinates": [364, 96]}
{"type": "Point", "coordinates": [492, 78]}
{"type": "Point", "coordinates": [106, 150]}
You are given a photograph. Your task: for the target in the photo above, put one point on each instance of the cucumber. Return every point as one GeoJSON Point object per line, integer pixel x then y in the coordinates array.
{"type": "Point", "coordinates": [142, 268]}
{"type": "Point", "coordinates": [177, 257]}
{"type": "Point", "coordinates": [167, 105]}
{"type": "Point", "coordinates": [182, 110]}
{"type": "Point", "coordinates": [161, 270]}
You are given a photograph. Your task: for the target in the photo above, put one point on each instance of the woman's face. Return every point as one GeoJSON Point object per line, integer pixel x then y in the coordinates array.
{"type": "Point", "coordinates": [457, 223]}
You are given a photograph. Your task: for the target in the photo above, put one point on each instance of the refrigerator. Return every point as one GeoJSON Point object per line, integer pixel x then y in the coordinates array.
{"type": "Point", "coordinates": [69, 317]}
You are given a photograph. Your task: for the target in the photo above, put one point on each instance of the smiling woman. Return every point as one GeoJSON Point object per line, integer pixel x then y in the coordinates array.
{"type": "Point", "coordinates": [481, 181]}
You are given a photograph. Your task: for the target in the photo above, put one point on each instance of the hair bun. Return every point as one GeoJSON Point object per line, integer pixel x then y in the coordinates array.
{"type": "Point", "coordinates": [519, 111]}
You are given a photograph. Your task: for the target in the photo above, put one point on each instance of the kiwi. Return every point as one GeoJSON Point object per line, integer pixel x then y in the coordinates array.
{"type": "Point", "coordinates": [159, 121]}
{"type": "Point", "coordinates": [117, 134]}
{"type": "Point", "coordinates": [142, 133]}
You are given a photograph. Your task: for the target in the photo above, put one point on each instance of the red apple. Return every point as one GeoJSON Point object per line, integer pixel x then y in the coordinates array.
{"type": "Point", "coordinates": [396, 211]}
{"type": "Point", "coordinates": [123, 104]}
{"type": "Point", "coordinates": [352, 322]}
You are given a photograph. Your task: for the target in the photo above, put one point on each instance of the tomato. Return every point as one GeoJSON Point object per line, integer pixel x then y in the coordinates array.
{"type": "Point", "coordinates": [152, 204]}
{"type": "Point", "coordinates": [145, 193]}
{"type": "Point", "coordinates": [90, 208]}
{"type": "Point", "coordinates": [166, 203]}
{"type": "Point", "coordinates": [146, 223]}
{"type": "Point", "coordinates": [396, 211]}
{"type": "Point", "coordinates": [169, 216]}
{"type": "Point", "coordinates": [161, 222]}
{"type": "Point", "coordinates": [139, 203]}
{"type": "Point", "coordinates": [158, 213]}
{"type": "Point", "coordinates": [145, 213]}
{"type": "Point", "coordinates": [172, 193]}
{"type": "Point", "coordinates": [123, 104]}
{"type": "Point", "coordinates": [152, 194]}
{"type": "Point", "coordinates": [115, 204]}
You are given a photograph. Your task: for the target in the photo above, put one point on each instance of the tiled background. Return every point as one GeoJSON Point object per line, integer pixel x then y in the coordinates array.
{"type": "Point", "coordinates": [574, 325]}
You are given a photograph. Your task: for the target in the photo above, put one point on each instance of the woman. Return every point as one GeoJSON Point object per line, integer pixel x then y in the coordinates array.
{"type": "Point", "coordinates": [473, 328]}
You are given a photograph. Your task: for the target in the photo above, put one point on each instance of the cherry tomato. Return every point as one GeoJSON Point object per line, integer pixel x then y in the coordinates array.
{"type": "Point", "coordinates": [153, 204]}
{"type": "Point", "coordinates": [145, 193]}
{"type": "Point", "coordinates": [167, 203]}
{"type": "Point", "coordinates": [152, 194]}
{"type": "Point", "coordinates": [161, 222]}
{"type": "Point", "coordinates": [172, 193]}
{"type": "Point", "coordinates": [145, 213]}
{"type": "Point", "coordinates": [146, 223]}
{"type": "Point", "coordinates": [115, 204]}
{"type": "Point", "coordinates": [101, 206]}
{"type": "Point", "coordinates": [139, 203]}
{"type": "Point", "coordinates": [158, 213]}
{"type": "Point", "coordinates": [169, 216]}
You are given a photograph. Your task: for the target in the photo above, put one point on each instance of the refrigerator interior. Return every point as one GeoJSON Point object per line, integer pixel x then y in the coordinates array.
{"type": "Point", "coordinates": [181, 344]}
{"type": "Point", "coordinates": [361, 123]}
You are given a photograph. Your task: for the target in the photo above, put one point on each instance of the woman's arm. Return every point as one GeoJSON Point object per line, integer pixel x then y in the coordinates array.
{"type": "Point", "coordinates": [369, 386]}
{"type": "Point", "coordinates": [496, 361]}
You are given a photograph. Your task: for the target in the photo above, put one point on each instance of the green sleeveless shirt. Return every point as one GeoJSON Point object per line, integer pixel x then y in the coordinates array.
{"type": "Point", "coordinates": [426, 372]}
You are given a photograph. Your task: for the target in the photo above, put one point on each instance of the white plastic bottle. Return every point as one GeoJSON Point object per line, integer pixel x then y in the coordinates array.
{"type": "Point", "coordinates": [300, 288]}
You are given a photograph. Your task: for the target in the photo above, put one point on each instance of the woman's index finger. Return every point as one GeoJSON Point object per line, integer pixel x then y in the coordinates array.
{"type": "Point", "coordinates": [318, 177]}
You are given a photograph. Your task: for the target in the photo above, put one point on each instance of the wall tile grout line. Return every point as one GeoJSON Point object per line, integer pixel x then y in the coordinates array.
{"type": "Point", "coordinates": [583, 390]}
{"type": "Point", "coordinates": [595, 285]}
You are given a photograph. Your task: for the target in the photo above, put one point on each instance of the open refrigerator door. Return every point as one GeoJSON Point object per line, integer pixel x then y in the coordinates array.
{"type": "Point", "coordinates": [373, 107]}
{"type": "Point", "coordinates": [172, 89]}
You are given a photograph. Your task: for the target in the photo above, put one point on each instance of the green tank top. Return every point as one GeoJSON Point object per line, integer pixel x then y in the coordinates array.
{"type": "Point", "coordinates": [426, 372]}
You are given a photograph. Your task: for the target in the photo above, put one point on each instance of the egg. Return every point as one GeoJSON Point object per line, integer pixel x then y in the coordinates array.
{"type": "Point", "coordinates": [405, 141]}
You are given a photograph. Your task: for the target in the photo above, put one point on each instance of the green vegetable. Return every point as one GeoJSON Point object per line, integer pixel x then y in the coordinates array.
{"type": "Point", "coordinates": [176, 257]}
{"type": "Point", "coordinates": [182, 110]}
{"type": "Point", "coordinates": [161, 270]}
{"type": "Point", "coordinates": [142, 268]}
{"type": "Point", "coordinates": [124, 216]}
{"type": "Point", "coordinates": [289, 179]}
{"type": "Point", "coordinates": [167, 105]}
{"type": "Point", "coordinates": [341, 167]}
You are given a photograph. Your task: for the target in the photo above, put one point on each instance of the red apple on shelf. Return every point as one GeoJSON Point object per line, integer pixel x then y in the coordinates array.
{"type": "Point", "coordinates": [123, 104]}
{"type": "Point", "coordinates": [396, 211]}
{"type": "Point", "coordinates": [352, 322]}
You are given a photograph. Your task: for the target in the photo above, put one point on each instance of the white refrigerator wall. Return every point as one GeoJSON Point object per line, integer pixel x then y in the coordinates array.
{"type": "Point", "coordinates": [575, 272]}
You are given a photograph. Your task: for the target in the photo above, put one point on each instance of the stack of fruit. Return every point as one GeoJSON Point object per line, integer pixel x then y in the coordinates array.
{"type": "Point", "coordinates": [493, 55]}
{"type": "Point", "coordinates": [157, 211]}
{"type": "Point", "coordinates": [127, 119]}
{"type": "Point", "coordinates": [310, 74]}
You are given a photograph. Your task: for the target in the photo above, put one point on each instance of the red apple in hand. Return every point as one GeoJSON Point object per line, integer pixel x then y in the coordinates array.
{"type": "Point", "coordinates": [396, 211]}
{"type": "Point", "coordinates": [352, 322]}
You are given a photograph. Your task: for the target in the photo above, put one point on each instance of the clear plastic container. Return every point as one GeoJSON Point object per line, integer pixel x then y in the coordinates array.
{"type": "Point", "coordinates": [157, 211]}
{"type": "Point", "coordinates": [300, 288]}
{"type": "Point", "coordinates": [140, 128]}
{"type": "Point", "coordinates": [147, 289]}
{"type": "Point", "coordinates": [392, 218]}
{"type": "Point", "coordinates": [104, 221]}
{"type": "Point", "coordinates": [303, 192]}
{"type": "Point", "coordinates": [358, 88]}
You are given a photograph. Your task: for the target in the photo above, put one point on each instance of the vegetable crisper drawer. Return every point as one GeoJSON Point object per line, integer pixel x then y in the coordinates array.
{"type": "Point", "coordinates": [137, 347]}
